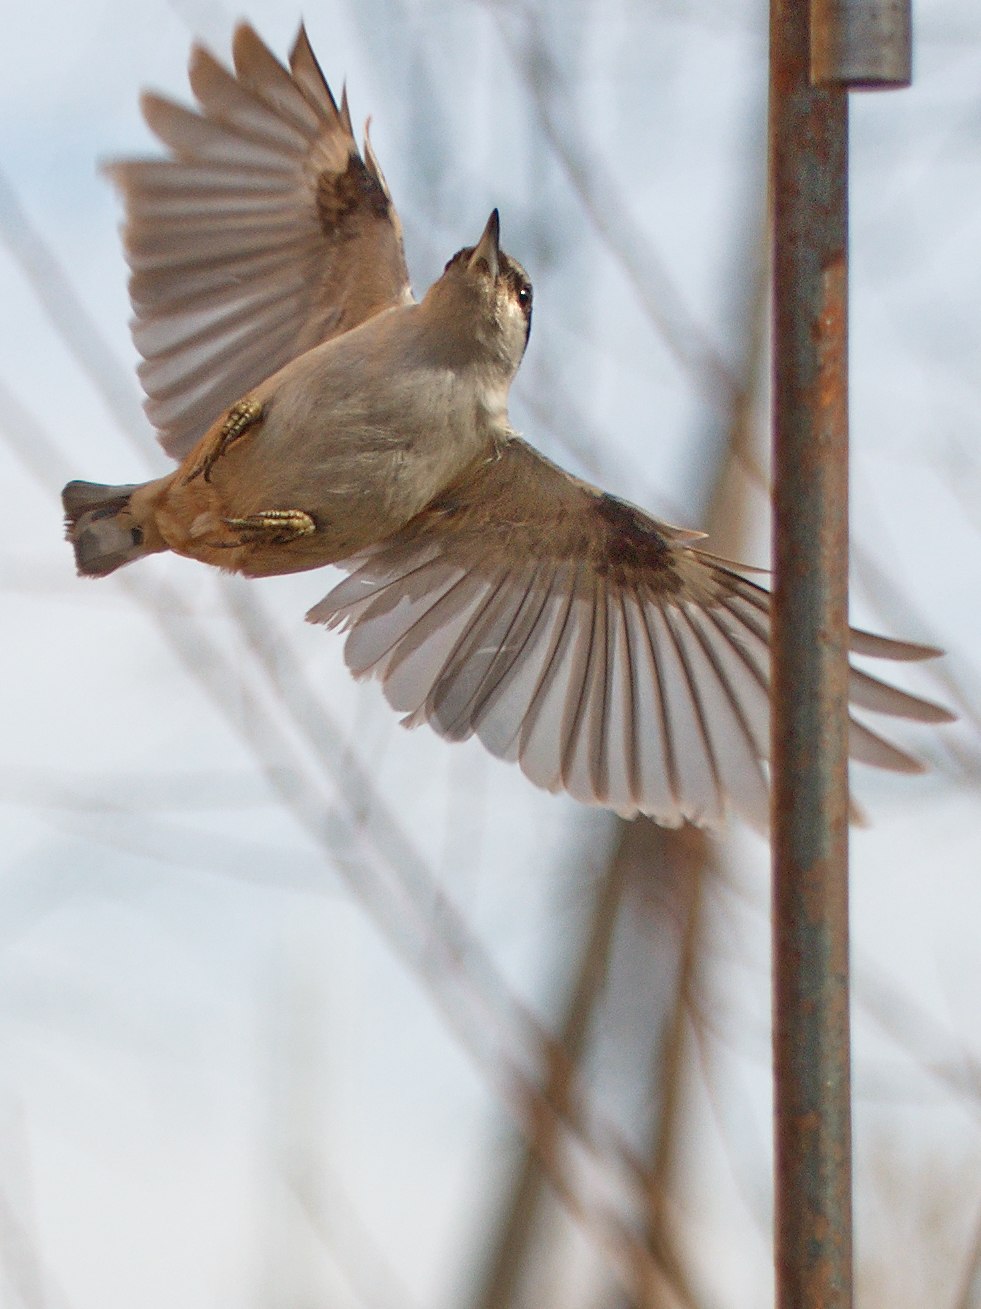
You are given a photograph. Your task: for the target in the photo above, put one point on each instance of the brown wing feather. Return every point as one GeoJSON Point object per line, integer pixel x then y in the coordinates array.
{"type": "Point", "coordinates": [589, 642]}
{"type": "Point", "coordinates": [263, 233]}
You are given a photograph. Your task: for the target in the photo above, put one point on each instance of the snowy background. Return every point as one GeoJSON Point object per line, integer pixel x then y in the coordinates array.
{"type": "Point", "coordinates": [269, 963]}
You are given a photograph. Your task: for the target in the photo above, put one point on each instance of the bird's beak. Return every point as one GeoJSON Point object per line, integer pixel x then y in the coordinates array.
{"type": "Point", "coordinates": [488, 247]}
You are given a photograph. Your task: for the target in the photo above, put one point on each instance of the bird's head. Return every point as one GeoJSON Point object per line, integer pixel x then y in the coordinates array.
{"type": "Point", "coordinates": [482, 303]}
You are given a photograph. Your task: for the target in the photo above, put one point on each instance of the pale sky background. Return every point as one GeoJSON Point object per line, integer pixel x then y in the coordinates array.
{"type": "Point", "coordinates": [174, 945]}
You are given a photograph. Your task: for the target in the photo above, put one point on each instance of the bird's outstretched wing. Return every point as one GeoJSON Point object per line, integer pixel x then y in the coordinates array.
{"type": "Point", "coordinates": [588, 642]}
{"type": "Point", "coordinates": [263, 233]}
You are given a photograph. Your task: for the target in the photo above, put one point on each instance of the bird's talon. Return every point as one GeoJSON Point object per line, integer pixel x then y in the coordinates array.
{"type": "Point", "coordinates": [242, 416]}
{"type": "Point", "coordinates": [273, 526]}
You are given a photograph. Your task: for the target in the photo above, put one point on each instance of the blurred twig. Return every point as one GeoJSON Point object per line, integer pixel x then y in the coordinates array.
{"type": "Point", "coordinates": [608, 211]}
{"type": "Point", "coordinates": [515, 1234]}
{"type": "Point", "coordinates": [21, 1265]}
{"type": "Point", "coordinates": [307, 1212]}
{"type": "Point", "coordinates": [51, 284]}
{"type": "Point", "coordinates": [687, 851]}
{"type": "Point", "coordinates": [969, 1294]}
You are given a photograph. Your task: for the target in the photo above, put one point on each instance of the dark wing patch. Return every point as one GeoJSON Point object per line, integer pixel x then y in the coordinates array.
{"type": "Point", "coordinates": [345, 199]}
{"type": "Point", "coordinates": [633, 545]}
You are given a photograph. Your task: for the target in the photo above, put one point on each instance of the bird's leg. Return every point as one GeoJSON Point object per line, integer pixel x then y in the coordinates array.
{"type": "Point", "coordinates": [242, 416]}
{"type": "Point", "coordinates": [273, 526]}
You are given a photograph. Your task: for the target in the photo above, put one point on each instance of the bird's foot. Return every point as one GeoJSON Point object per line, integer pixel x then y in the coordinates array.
{"type": "Point", "coordinates": [273, 526]}
{"type": "Point", "coordinates": [240, 418]}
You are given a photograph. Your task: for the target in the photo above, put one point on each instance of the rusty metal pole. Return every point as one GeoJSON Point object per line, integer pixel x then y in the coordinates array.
{"type": "Point", "coordinates": [808, 177]}
{"type": "Point", "coordinates": [818, 48]}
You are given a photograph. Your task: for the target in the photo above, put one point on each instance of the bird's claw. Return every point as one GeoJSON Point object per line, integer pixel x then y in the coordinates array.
{"type": "Point", "coordinates": [240, 418]}
{"type": "Point", "coordinates": [273, 526]}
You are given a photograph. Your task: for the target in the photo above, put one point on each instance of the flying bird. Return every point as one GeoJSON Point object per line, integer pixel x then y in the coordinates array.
{"type": "Point", "coordinates": [321, 415]}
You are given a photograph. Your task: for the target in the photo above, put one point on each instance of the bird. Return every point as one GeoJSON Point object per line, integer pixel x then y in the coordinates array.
{"type": "Point", "coordinates": [321, 414]}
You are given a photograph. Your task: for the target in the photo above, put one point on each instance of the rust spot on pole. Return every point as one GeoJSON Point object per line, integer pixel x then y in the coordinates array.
{"type": "Point", "coordinates": [808, 145]}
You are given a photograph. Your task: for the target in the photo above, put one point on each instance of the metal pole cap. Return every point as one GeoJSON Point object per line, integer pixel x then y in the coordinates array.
{"type": "Point", "coordinates": [861, 44]}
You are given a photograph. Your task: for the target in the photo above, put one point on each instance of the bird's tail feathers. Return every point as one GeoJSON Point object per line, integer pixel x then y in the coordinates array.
{"type": "Point", "coordinates": [101, 527]}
